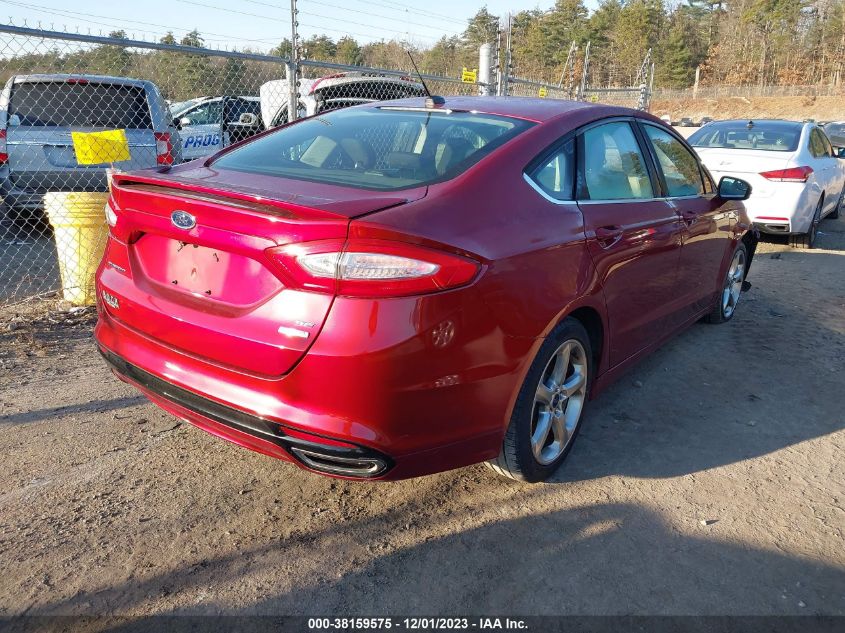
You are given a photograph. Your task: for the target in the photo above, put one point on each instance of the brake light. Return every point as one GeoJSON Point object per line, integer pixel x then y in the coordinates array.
{"type": "Point", "coordinates": [4, 155]}
{"type": "Point", "coordinates": [792, 174]}
{"type": "Point", "coordinates": [164, 148]}
{"type": "Point", "coordinates": [370, 268]}
{"type": "Point", "coordinates": [322, 79]}
{"type": "Point", "coordinates": [111, 216]}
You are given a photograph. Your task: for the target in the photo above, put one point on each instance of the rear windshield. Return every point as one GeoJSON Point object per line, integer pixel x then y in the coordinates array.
{"type": "Point", "coordinates": [80, 104]}
{"type": "Point", "coordinates": [775, 136]}
{"type": "Point", "coordinates": [377, 149]}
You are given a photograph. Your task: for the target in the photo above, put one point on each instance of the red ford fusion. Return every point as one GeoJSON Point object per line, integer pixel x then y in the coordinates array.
{"type": "Point", "coordinates": [406, 287]}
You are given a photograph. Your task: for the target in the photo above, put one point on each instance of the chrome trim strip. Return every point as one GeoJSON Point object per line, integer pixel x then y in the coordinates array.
{"type": "Point", "coordinates": [540, 190]}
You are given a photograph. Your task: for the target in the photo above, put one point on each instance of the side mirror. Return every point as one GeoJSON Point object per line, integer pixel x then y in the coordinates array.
{"type": "Point", "coordinates": [14, 120]}
{"type": "Point", "coordinates": [180, 123]}
{"type": "Point", "coordinates": [839, 152]}
{"type": "Point", "coordinates": [247, 119]}
{"type": "Point", "coordinates": [731, 188]}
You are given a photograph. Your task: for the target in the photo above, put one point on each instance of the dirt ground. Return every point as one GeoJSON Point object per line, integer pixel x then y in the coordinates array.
{"type": "Point", "coordinates": [794, 108]}
{"type": "Point", "coordinates": [709, 480]}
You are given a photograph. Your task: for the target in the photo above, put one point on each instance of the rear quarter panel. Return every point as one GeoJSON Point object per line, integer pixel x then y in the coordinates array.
{"type": "Point", "coordinates": [537, 266]}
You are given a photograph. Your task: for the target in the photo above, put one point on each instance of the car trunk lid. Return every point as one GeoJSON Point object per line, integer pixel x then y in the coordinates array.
{"type": "Point", "coordinates": [189, 267]}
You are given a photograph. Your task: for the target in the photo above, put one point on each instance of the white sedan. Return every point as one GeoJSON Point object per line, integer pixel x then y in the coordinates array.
{"type": "Point", "coordinates": [795, 175]}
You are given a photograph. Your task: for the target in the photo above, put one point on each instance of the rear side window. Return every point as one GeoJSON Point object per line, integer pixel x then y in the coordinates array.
{"type": "Point", "coordinates": [818, 147]}
{"type": "Point", "coordinates": [375, 148]}
{"type": "Point", "coordinates": [556, 175]}
{"type": "Point", "coordinates": [80, 104]}
{"type": "Point", "coordinates": [773, 136]}
{"type": "Point", "coordinates": [614, 167]}
{"type": "Point", "coordinates": [679, 166]}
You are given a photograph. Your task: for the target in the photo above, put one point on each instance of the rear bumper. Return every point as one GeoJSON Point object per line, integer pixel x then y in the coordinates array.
{"type": "Point", "coordinates": [375, 390]}
{"type": "Point", "coordinates": [236, 425]}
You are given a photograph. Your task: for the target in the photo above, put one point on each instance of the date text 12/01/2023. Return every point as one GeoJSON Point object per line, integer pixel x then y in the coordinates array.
{"type": "Point", "coordinates": [416, 623]}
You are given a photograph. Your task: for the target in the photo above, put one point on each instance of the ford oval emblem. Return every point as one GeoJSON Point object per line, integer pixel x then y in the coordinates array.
{"type": "Point", "coordinates": [183, 220]}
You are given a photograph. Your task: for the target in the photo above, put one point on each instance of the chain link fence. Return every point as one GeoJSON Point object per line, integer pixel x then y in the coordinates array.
{"type": "Point", "coordinates": [75, 106]}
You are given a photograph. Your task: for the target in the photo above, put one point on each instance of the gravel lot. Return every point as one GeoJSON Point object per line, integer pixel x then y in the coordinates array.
{"type": "Point", "coordinates": [709, 480]}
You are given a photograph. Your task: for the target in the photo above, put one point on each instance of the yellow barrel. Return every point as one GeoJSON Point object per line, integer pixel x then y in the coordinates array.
{"type": "Point", "coordinates": [80, 229]}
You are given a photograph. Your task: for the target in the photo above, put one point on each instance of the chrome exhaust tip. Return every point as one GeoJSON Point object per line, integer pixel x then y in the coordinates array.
{"type": "Point", "coordinates": [337, 465]}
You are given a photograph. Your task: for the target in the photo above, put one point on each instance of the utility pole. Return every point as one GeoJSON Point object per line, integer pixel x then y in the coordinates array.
{"type": "Point", "coordinates": [485, 59]}
{"type": "Point", "coordinates": [293, 65]}
{"type": "Point", "coordinates": [503, 86]}
{"type": "Point", "coordinates": [582, 88]}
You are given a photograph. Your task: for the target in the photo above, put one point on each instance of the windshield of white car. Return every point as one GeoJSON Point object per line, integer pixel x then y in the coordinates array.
{"type": "Point", "coordinates": [374, 148]}
{"type": "Point", "coordinates": [772, 136]}
{"type": "Point", "coordinates": [180, 106]}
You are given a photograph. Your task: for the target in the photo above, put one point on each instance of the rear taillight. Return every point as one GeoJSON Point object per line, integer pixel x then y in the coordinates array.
{"type": "Point", "coordinates": [370, 268]}
{"type": "Point", "coordinates": [792, 174]}
{"type": "Point", "coordinates": [111, 215]}
{"type": "Point", "coordinates": [164, 148]}
{"type": "Point", "coordinates": [4, 155]}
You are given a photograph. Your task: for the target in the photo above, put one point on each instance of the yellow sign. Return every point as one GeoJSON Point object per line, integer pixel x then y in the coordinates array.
{"type": "Point", "coordinates": [469, 76]}
{"type": "Point", "coordinates": [594, 98]}
{"type": "Point", "coordinates": [542, 92]}
{"type": "Point", "coordinates": [99, 148]}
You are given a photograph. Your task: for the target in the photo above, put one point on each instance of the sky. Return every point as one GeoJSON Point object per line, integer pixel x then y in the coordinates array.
{"type": "Point", "coordinates": [261, 24]}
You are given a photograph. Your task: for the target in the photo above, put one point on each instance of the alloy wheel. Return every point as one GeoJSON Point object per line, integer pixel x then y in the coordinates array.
{"type": "Point", "coordinates": [559, 401]}
{"type": "Point", "coordinates": [733, 284]}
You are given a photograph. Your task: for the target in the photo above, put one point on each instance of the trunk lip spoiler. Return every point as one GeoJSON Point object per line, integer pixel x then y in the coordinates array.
{"type": "Point", "coordinates": [254, 202]}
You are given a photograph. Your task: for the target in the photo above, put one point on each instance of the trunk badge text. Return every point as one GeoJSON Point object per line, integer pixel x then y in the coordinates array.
{"type": "Point", "coordinates": [183, 220]}
{"type": "Point", "coordinates": [111, 300]}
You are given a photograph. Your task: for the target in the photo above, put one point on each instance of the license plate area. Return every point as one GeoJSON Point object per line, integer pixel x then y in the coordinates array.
{"type": "Point", "coordinates": [202, 271]}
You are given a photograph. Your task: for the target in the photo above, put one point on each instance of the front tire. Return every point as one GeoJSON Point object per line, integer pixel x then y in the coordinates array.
{"type": "Point", "coordinates": [728, 298]}
{"type": "Point", "coordinates": [549, 408]}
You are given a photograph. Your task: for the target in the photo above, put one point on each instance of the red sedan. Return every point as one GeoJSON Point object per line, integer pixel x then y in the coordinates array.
{"type": "Point", "coordinates": [406, 287]}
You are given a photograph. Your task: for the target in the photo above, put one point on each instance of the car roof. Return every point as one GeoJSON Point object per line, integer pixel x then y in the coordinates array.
{"type": "Point", "coordinates": [530, 108]}
{"type": "Point", "coordinates": [92, 78]}
{"type": "Point", "coordinates": [783, 123]}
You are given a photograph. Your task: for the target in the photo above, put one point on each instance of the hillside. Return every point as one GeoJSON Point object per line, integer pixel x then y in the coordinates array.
{"type": "Point", "coordinates": [797, 108]}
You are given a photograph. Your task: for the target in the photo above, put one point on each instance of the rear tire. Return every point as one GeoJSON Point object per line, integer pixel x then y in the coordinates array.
{"type": "Point", "coordinates": [808, 239]}
{"type": "Point", "coordinates": [728, 298]}
{"type": "Point", "coordinates": [549, 408]}
{"type": "Point", "coordinates": [833, 215]}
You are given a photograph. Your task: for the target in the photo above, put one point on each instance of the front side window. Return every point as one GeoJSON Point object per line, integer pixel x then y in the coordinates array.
{"type": "Point", "coordinates": [614, 167]}
{"type": "Point", "coordinates": [204, 114]}
{"type": "Point", "coordinates": [679, 166]}
{"type": "Point", "coordinates": [556, 175]}
{"type": "Point", "coordinates": [376, 148]}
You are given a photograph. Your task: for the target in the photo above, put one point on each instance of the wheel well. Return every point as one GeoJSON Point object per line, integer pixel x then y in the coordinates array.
{"type": "Point", "coordinates": [591, 321]}
{"type": "Point", "coordinates": [750, 241]}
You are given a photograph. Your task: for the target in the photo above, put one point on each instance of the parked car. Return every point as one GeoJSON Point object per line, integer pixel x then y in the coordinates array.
{"type": "Point", "coordinates": [705, 120]}
{"type": "Point", "coordinates": [332, 92]}
{"type": "Point", "coordinates": [686, 122]}
{"type": "Point", "coordinates": [207, 124]}
{"type": "Point", "coordinates": [835, 131]}
{"type": "Point", "coordinates": [402, 288]}
{"type": "Point", "coordinates": [38, 114]}
{"type": "Point", "coordinates": [667, 119]}
{"type": "Point", "coordinates": [795, 177]}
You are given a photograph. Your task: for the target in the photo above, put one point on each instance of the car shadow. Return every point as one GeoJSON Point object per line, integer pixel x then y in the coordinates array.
{"type": "Point", "coordinates": [94, 406]}
{"type": "Point", "coordinates": [716, 395]}
{"type": "Point", "coordinates": [594, 559]}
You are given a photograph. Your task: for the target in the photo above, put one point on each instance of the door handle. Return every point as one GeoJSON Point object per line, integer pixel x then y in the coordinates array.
{"type": "Point", "coordinates": [607, 236]}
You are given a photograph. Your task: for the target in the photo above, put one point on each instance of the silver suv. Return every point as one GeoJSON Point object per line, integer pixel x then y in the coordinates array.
{"type": "Point", "coordinates": [38, 113]}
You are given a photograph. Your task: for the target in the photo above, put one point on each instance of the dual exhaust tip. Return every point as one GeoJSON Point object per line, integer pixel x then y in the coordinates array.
{"type": "Point", "coordinates": [346, 466]}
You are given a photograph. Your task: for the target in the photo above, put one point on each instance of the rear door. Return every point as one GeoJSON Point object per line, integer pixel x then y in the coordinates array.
{"type": "Point", "coordinates": [201, 129]}
{"type": "Point", "coordinates": [829, 172]}
{"type": "Point", "coordinates": [705, 224]}
{"type": "Point", "coordinates": [634, 237]}
{"type": "Point", "coordinates": [42, 115]}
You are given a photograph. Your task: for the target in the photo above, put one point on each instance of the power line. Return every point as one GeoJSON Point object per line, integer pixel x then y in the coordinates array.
{"type": "Point", "coordinates": [72, 14]}
{"type": "Point", "coordinates": [370, 13]}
